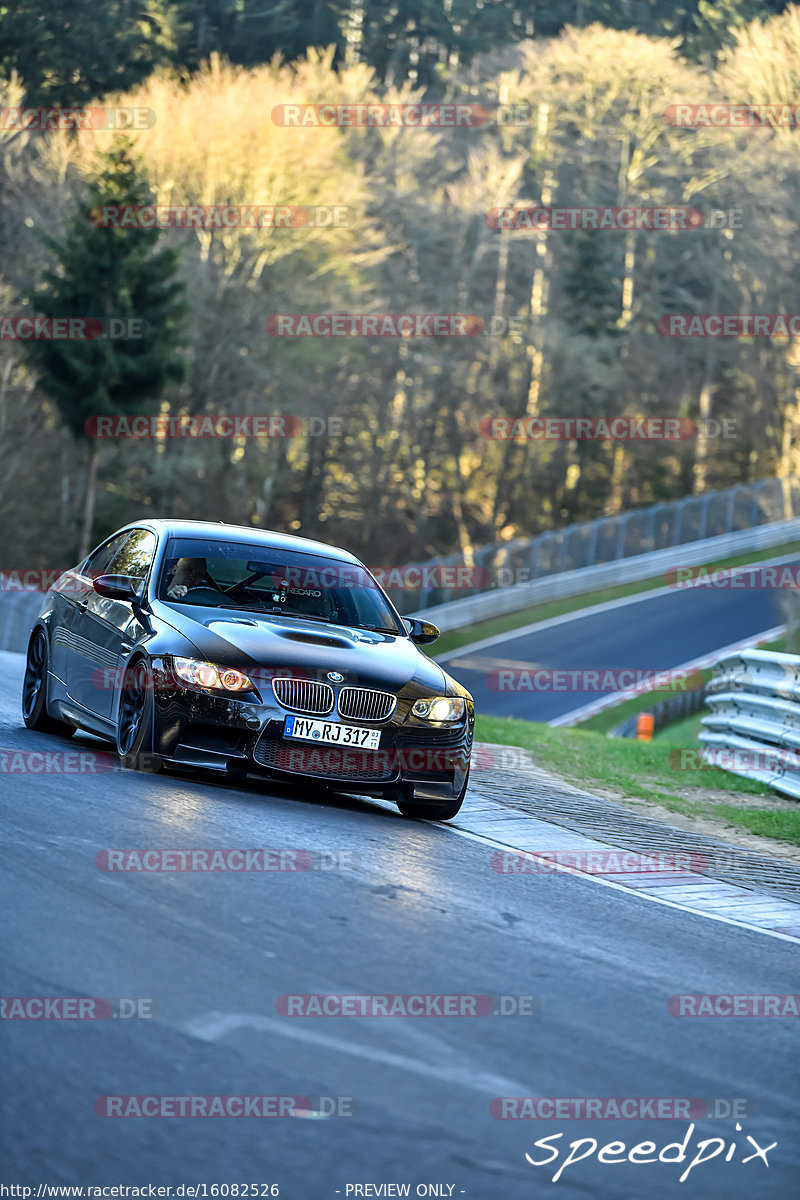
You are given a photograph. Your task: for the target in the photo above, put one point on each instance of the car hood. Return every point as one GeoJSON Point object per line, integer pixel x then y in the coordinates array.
{"type": "Point", "coordinates": [246, 640]}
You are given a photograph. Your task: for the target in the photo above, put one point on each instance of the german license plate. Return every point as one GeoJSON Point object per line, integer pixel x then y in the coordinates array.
{"type": "Point", "coordinates": [308, 730]}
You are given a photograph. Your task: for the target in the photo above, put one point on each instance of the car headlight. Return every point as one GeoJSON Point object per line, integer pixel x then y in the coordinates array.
{"type": "Point", "coordinates": [439, 708]}
{"type": "Point", "coordinates": [208, 675]}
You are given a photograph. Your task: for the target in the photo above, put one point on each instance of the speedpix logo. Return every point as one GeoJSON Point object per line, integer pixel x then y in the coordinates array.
{"type": "Point", "coordinates": [615, 1153]}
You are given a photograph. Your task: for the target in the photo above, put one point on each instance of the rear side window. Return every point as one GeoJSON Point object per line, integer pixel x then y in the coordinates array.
{"type": "Point", "coordinates": [135, 557]}
{"type": "Point", "coordinates": [99, 560]}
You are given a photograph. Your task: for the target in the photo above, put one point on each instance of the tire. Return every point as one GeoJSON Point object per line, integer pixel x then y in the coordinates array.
{"type": "Point", "coordinates": [135, 720]}
{"type": "Point", "coordinates": [418, 810]}
{"type": "Point", "coordinates": [34, 689]}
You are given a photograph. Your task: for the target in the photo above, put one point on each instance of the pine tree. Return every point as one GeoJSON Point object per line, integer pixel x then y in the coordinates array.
{"type": "Point", "coordinates": [591, 293]}
{"type": "Point", "coordinates": [109, 273]}
{"type": "Point", "coordinates": [68, 52]}
{"type": "Point", "coordinates": [264, 28]}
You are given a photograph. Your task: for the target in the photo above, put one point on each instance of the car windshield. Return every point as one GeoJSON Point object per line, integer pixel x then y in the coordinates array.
{"type": "Point", "coordinates": [243, 576]}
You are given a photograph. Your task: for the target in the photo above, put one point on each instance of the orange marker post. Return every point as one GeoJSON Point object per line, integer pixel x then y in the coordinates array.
{"type": "Point", "coordinates": [644, 727]}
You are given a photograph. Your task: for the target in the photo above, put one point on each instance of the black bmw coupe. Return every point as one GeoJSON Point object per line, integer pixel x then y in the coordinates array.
{"type": "Point", "coordinates": [249, 653]}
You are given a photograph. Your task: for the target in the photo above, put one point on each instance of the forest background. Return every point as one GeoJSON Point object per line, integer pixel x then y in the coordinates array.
{"type": "Point", "coordinates": [403, 469]}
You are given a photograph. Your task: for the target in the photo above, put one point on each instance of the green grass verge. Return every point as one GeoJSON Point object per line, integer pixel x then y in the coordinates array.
{"type": "Point", "coordinates": [558, 608]}
{"type": "Point", "coordinates": [783, 825]}
{"type": "Point", "coordinates": [642, 770]}
{"type": "Point", "coordinates": [682, 733]}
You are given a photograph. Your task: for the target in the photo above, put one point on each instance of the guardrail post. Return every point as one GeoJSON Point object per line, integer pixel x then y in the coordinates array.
{"type": "Point", "coordinates": [701, 532]}
{"type": "Point", "coordinates": [676, 525]}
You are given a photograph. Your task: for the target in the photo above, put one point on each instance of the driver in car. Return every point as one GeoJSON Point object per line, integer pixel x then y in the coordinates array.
{"type": "Point", "coordinates": [187, 573]}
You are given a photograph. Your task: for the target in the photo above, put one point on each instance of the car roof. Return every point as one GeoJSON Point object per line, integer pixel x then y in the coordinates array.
{"type": "Point", "coordinates": [241, 533]}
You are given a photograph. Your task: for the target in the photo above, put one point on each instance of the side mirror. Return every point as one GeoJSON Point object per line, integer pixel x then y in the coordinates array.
{"type": "Point", "coordinates": [118, 587]}
{"type": "Point", "coordinates": [421, 632]}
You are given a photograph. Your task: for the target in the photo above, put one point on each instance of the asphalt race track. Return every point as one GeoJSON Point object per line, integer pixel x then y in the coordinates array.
{"type": "Point", "coordinates": [419, 910]}
{"type": "Point", "coordinates": [657, 632]}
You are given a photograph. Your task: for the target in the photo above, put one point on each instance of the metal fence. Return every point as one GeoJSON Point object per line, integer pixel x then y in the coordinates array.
{"type": "Point", "coordinates": [753, 729]}
{"type": "Point", "coordinates": [604, 553]}
{"type": "Point", "coordinates": [606, 540]}
{"type": "Point", "coordinates": [456, 614]}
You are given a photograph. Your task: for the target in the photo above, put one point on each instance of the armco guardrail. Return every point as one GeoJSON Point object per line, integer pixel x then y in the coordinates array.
{"type": "Point", "coordinates": [18, 611]}
{"type": "Point", "coordinates": [457, 613]}
{"type": "Point", "coordinates": [754, 726]}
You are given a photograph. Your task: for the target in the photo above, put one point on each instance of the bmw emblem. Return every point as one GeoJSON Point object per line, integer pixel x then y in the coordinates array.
{"type": "Point", "coordinates": [335, 677]}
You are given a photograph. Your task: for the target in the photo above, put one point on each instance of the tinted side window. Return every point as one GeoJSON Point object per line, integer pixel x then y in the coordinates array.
{"type": "Point", "coordinates": [135, 556]}
{"type": "Point", "coordinates": [98, 563]}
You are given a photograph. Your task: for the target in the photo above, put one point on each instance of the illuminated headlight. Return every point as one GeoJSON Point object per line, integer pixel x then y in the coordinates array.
{"type": "Point", "coordinates": [439, 708]}
{"type": "Point", "coordinates": [207, 675]}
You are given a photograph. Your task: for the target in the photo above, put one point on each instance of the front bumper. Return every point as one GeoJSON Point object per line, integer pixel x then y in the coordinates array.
{"type": "Point", "coordinates": [241, 737]}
